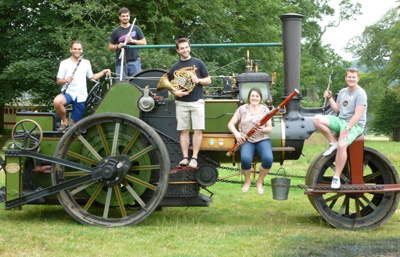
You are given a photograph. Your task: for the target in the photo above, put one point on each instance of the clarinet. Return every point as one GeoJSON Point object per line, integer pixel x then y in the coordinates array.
{"type": "Point", "coordinates": [263, 121]}
{"type": "Point", "coordinates": [65, 86]}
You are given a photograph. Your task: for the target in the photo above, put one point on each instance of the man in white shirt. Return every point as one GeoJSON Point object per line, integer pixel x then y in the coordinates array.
{"type": "Point", "coordinates": [72, 73]}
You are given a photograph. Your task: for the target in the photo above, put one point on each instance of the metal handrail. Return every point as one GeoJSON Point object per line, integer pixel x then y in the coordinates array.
{"type": "Point", "coordinates": [207, 45]}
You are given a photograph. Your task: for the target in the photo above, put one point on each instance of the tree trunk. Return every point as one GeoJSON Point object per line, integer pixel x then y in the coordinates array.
{"type": "Point", "coordinates": [396, 135]}
{"type": "Point", "coordinates": [2, 118]}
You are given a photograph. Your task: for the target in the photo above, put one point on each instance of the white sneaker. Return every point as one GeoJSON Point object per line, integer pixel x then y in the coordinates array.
{"type": "Point", "coordinates": [332, 147]}
{"type": "Point", "coordinates": [335, 183]}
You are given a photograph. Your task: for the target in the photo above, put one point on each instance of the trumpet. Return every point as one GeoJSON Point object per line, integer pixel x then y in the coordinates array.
{"type": "Point", "coordinates": [182, 79]}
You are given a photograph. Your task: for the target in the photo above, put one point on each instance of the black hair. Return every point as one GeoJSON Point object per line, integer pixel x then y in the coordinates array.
{"type": "Point", "coordinates": [123, 10]}
{"type": "Point", "coordinates": [181, 40]}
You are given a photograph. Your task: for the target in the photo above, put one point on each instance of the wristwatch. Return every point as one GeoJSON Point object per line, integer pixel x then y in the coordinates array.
{"type": "Point", "coordinates": [199, 81]}
{"type": "Point", "coordinates": [347, 128]}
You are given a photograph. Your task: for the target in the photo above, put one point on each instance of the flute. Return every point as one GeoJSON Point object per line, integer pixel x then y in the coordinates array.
{"type": "Point", "coordinates": [122, 54]}
{"type": "Point", "coordinates": [263, 121]}
{"type": "Point", "coordinates": [65, 86]}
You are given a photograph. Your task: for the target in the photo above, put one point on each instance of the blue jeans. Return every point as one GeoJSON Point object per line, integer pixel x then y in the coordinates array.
{"type": "Point", "coordinates": [132, 67]}
{"type": "Point", "coordinates": [264, 150]}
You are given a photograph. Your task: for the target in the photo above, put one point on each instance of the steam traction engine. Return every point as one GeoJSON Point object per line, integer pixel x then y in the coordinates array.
{"type": "Point", "coordinates": [115, 167]}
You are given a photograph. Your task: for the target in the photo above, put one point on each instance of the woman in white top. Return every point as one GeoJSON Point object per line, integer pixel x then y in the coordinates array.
{"type": "Point", "coordinates": [247, 116]}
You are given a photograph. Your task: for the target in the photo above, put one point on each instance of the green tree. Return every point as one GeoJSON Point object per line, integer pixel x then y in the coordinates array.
{"type": "Point", "coordinates": [319, 61]}
{"type": "Point", "coordinates": [40, 31]}
{"type": "Point", "coordinates": [378, 50]}
{"type": "Point", "coordinates": [35, 36]}
{"type": "Point", "coordinates": [387, 117]}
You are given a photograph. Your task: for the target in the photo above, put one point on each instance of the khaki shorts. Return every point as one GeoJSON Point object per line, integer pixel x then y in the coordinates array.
{"type": "Point", "coordinates": [338, 124]}
{"type": "Point", "coordinates": [190, 111]}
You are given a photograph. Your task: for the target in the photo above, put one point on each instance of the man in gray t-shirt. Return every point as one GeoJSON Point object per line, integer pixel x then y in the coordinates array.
{"type": "Point", "coordinates": [348, 101]}
{"type": "Point", "coordinates": [351, 105]}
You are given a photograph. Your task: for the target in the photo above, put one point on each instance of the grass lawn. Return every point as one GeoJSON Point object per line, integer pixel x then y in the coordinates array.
{"type": "Point", "coordinates": [235, 224]}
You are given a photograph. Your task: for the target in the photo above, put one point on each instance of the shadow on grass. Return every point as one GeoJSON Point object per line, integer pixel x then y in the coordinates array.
{"type": "Point", "coordinates": [35, 214]}
{"type": "Point", "coordinates": [229, 207]}
{"type": "Point", "coordinates": [176, 216]}
{"type": "Point", "coordinates": [218, 216]}
{"type": "Point", "coordinates": [341, 247]}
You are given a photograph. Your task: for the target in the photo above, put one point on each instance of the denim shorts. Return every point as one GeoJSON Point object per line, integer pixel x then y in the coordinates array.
{"type": "Point", "coordinates": [78, 109]}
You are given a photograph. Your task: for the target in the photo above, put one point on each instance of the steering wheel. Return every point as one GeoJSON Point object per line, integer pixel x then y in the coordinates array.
{"type": "Point", "coordinates": [94, 95]}
{"type": "Point", "coordinates": [27, 134]}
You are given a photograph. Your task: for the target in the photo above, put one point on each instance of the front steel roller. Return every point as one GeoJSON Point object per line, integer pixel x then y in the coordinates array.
{"type": "Point", "coordinates": [355, 211]}
{"type": "Point", "coordinates": [126, 194]}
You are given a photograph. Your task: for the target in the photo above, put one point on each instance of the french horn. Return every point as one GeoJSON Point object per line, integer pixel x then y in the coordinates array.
{"type": "Point", "coordinates": [182, 79]}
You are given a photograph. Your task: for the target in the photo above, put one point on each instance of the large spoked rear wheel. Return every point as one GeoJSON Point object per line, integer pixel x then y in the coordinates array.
{"type": "Point", "coordinates": [310, 179]}
{"type": "Point", "coordinates": [355, 211]}
{"type": "Point", "coordinates": [132, 198]}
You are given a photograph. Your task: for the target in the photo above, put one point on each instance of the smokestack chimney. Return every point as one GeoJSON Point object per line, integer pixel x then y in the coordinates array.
{"type": "Point", "coordinates": [291, 50]}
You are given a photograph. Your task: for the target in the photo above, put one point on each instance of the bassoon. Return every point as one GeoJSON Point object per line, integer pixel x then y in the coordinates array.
{"type": "Point", "coordinates": [65, 86]}
{"type": "Point", "coordinates": [263, 120]}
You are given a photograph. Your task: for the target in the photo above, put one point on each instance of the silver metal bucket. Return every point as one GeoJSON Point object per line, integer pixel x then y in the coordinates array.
{"type": "Point", "coordinates": [280, 187]}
